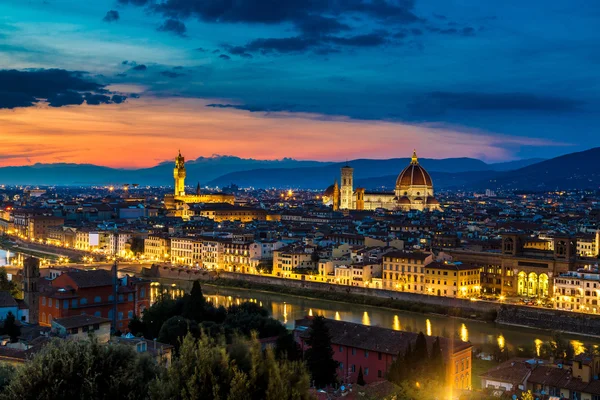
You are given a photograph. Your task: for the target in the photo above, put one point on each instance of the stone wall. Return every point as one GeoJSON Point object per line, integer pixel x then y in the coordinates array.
{"type": "Point", "coordinates": [565, 321]}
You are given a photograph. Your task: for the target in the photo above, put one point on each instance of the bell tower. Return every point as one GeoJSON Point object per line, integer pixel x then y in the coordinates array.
{"type": "Point", "coordinates": [31, 293]}
{"type": "Point", "coordinates": [179, 175]}
{"type": "Point", "coordinates": [336, 196]}
{"type": "Point", "coordinates": [347, 188]}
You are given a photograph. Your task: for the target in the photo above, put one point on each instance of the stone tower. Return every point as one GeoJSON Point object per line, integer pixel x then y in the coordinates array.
{"type": "Point", "coordinates": [346, 189]}
{"type": "Point", "coordinates": [31, 293]}
{"type": "Point", "coordinates": [179, 175]}
{"type": "Point", "coordinates": [336, 196]}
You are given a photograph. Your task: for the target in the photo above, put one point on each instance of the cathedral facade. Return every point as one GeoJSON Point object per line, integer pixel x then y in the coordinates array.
{"type": "Point", "coordinates": [413, 191]}
{"type": "Point", "coordinates": [179, 199]}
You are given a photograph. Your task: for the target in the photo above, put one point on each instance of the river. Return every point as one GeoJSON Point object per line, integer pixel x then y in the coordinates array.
{"type": "Point", "coordinates": [483, 335]}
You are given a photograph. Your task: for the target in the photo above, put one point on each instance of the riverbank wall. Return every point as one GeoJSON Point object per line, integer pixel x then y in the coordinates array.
{"type": "Point", "coordinates": [556, 320]}
{"type": "Point", "coordinates": [532, 317]}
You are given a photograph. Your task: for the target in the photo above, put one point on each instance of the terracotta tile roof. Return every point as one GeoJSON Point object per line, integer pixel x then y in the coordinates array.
{"type": "Point", "coordinates": [77, 321]}
{"type": "Point", "coordinates": [374, 338]}
{"type": "Point", "coordinates": [515, 371]}
{"type": "Point", "coordinates": [88, 279]}
{"type": "Point", "coordinates": [6, 300]}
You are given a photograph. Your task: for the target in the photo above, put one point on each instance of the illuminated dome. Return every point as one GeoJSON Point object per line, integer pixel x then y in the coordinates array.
{"type": "Point", "coordinates": [404, 200]}
{"type": "Point", "coordinates": [329, 191]}
{"type": "Point", "coordinates": [413, 175]}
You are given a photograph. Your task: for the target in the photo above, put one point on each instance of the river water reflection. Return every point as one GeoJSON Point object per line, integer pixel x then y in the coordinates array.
{"type": "Point", "coordinates": [485, 336]}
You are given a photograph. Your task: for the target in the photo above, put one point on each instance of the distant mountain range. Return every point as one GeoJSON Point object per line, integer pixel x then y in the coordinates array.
{"type": "Point", "coordinates": [367, 173]}
{"type": "Point", "coordinates": [576, 170]}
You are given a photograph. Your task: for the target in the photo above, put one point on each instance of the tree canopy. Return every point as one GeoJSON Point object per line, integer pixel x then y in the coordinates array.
{"type": "Point", "coordinates": [67, 369]}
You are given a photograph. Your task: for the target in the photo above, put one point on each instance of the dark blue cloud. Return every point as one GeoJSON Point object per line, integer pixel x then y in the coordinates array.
{"type": "Point", "coordinates": [111, 16]}
{"type": "Point", "coordinates": [171, 74]}
{"type": "Point", "coordinates": [56, 86]}
{"type": "Point", "coordinates": [140, 67]}
{"type": "Point", "coordinates": [224, 57]}
{"type": "Point", "coordinates": [174, 26]}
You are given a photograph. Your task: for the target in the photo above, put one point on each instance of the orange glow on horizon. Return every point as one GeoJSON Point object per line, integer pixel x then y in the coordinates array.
{"type": "Point", "coordinates": [144, 132]}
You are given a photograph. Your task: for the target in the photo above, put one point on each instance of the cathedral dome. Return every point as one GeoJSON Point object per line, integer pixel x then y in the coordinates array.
{"type": "Point", "coordinates": [329, 191]}
{"type": "Point", "coordinates": [413, 175]}
{"type": "Point", "coordinates": [432, 201]}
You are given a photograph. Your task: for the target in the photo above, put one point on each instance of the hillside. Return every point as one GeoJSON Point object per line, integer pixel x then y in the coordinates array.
{"type": "Point", "coordinates": [579, 170]}
{"type": "Point", "coordinates": [372, 173]}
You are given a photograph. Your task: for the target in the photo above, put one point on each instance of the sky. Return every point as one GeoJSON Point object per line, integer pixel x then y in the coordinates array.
{"type": "Point", "coordinates": [126, 83]}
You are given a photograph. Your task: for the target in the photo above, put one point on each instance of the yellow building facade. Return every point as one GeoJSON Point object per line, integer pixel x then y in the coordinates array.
{"type": "Point", "coordinates": [452, 279]}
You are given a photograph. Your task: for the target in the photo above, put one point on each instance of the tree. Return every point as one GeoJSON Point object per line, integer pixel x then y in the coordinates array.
{"type": "Point", "coordinates": [137, 245]}
{"type": "Point", "coordinates": [315, 257]}
{"type": "Point", "coordinates": [155, 316]}
{"type": "Point", "coordinates": [7, 372]}
{"type": "Point", "coordinates": [9, 286]}
{"type": "Point", "coordinates": [558, 347]}
{"type": "Point", "coordinates": [319, 357]}
{"type": "Point", "coordinates": [360, 380]}
{"type": "Point", "coordinates": [67, 369]}
{"type": "Point", "coordinates": [11, 328]}
{"type": "Point", "coordinates": [136, 326]}
{"type": "Point", "coordinates": [287, 347]}
{"type": "Point", "coordinates": [399, 368]}
{"type": "Point", "coordinates": [436, 361]}
{"type": "Point", "coordinates": [175, 329]}
{"type": "Point", "coordinates": [195, 303]}
{"type": "Point", "coordinates": [208, 369]}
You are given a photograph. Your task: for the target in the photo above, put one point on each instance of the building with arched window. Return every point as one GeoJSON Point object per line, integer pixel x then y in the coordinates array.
{"type": "Point", "coordinates": [524, 266]}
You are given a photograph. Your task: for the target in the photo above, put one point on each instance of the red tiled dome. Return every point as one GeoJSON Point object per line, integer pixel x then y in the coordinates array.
{"type": "Point", "coordinates": [404, 200]}
{"type": "Point", "coordinates": [413, 175]}
{"type": "Point", "coordinates": [329, 191]}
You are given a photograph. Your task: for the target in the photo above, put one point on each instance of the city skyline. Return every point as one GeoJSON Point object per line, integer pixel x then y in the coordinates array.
{"type": "Point", "coordinates": [325, 81]}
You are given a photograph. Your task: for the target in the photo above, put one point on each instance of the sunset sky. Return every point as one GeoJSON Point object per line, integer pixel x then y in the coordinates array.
{"type": "Point", "coordinates": [125, 83]}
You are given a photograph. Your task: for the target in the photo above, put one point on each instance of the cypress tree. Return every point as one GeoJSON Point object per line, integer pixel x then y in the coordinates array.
{"type": "Point", "coordinates": [194, 303]}
{"type": "Point", "coordinates": [437, 365]}
{"type": "Point", "coordinates": [360, 380]}
{"type": "Point", "coordinates": [319, 357]}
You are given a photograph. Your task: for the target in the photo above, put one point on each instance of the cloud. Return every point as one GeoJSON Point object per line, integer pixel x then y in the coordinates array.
{"type": "Point", "coordinates": [134, 2]}
{"type": "Point", "coordinates": [254, 108]}
{"type": "Point", "coordinates": [141, 67]}
{"type": "Point", "coordinates": [111, 16]}
{"type": "Point", "coordinates": [435, 103]}
{"type": "Point", "coordinates": [225, 57]}
{"type": "Point", "coordinates": [174, 26]}
{"type": "Point", "coordinates": [57, 87]}
{"type": "Point", "coordinates": [368, 40]}
{"type": "Point", "coordinates": [316, 25]}
{"type": "Point", "coordinates": [171, 74]}
{"type": "Point", "coordinates": [282, 45]}
{"type": "Point", "coordinates": [321, 44]}
{"type": "Point", "coordinates": [310, 16]}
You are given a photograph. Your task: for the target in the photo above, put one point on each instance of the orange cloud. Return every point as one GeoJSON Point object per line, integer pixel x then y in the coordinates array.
{"type": "Point", "coordinates": [145, 131]}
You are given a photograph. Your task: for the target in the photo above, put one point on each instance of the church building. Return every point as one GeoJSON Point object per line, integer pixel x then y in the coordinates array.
{"type": "Point", "coordinates": [413, 191]}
